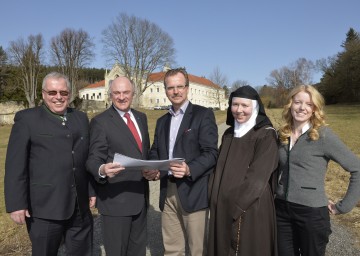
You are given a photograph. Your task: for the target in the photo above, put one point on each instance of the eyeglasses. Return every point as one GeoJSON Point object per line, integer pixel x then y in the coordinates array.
{"type": "Point", "coordinates": [172, 88]}
{"type": "Point", "coordinates": [54, 93]}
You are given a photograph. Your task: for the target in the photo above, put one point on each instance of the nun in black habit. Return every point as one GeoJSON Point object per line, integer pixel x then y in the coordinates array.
{"type": "Point", "coordinates": [242, 212]}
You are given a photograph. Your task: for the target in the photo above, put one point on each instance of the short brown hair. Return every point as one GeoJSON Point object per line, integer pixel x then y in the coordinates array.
{"type": "Point", "coordinates": [172, 72]}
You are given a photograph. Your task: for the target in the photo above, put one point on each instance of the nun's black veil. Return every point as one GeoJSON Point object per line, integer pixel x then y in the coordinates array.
{"type": "Point", "coordinates": [248, 92]}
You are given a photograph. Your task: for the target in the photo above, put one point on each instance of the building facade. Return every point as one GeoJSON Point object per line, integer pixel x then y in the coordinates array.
{"type": "Point", "coordinates": [202, 91]}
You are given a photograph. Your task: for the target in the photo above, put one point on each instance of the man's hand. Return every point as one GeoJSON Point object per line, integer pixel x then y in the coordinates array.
{"type": "Point", "coordinates": [151, 174]}
{"type": "Point", "coordinates": [111, 169]}
{"type": "Point", "coordinates": [19, 216]}
{"type": "Point", "coordinates": [179, 170]}
{"type": "Point", "coordinates": [332, 208]}
{"type": "Point", "coordinates": [92, 201]}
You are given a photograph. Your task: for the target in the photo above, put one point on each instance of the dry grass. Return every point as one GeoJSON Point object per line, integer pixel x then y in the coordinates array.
{"type": "Point", "coordinates": [344, 120]}
{"type": "Point", "coordinates": [13, 238]}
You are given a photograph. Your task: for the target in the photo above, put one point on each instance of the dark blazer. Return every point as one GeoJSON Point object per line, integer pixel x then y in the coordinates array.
{"type": "Point", "coordinates": [124, 194]}
{"type": "Point", "coordinates": [45, 164]}
{"type": "Point", "coordinates": [196, 141]}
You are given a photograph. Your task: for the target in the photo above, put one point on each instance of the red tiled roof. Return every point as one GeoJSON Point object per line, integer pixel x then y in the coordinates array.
{"type": "Point", "coordinates": [159, 77]}
{"type": "Point", "coordinates": [98, 84]}
{"type": "Point", "coordinates": [156, 77]}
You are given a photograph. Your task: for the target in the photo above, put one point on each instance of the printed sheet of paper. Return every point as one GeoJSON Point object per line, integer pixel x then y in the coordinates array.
{"type": "Point", "coordinates": [137, 164]}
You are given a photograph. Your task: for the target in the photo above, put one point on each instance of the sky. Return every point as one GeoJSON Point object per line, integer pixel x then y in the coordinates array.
{"type": "Point", "coordinates": [244, 39]}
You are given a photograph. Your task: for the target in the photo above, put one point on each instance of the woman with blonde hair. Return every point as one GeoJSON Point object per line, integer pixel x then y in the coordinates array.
{"type": "Point", "coordinates": [306, 147]}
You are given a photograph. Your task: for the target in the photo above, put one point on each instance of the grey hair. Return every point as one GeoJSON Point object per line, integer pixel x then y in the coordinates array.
{"type": "Point", "coordinates": [56, 75]}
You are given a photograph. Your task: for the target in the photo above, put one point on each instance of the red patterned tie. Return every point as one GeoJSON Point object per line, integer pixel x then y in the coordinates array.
{"type": "Point", "coordinates": [133, 130]}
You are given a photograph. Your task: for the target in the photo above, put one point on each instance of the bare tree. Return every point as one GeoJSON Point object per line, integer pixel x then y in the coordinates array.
{"type": "Point", "coordinates": [238, 83]}
{"type": "Point", "coordinates": [327, 65]}
{"type": "Point", "coordinates": [303, 71]}
{"type": "Point", "coordinates": [72, 50]}
{"type": "Point", "coordinates": [27, 55]}
{"type": "Point", "coordinates": [219, 79]}
{"type": "Point", "coordinates": [140, 47]}
{"type": "Point", "coordinates": [287, 77]}
{"type": "Point", "coordinates": [281, 78]}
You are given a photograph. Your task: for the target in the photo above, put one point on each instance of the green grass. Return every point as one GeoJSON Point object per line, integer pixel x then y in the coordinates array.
{"type": "Point", "coordinates": [344, 120]}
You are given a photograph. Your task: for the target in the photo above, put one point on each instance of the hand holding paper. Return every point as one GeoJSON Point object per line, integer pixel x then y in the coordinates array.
{"type": "Point", "coordinates": [179, 170]}
{"type": "Point", "coordinates": [111, 169]}
{"type": "Point", "coordinates": [137, 164]}
{"type": "Point", "coordinates": [151, 174]}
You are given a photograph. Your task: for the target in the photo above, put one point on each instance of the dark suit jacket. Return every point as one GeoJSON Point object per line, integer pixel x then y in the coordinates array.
{"type": "Point", "coordinates": [196, 141]}
{"type": "Point", "coordinates": [124, 194]}
{"type": "Point", "coordinates": [45, 164]}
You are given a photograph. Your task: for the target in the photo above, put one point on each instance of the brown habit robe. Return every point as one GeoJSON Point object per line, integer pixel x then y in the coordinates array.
{"type": "Point", "coordinates": [242, 212]}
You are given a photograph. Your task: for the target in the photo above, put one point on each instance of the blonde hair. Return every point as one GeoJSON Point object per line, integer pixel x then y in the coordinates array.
{"type": "Point", "coordinates": [317, 120]}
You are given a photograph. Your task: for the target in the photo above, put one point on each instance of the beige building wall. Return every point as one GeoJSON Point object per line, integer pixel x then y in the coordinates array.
{"type": "Point", "coordinates": [97, 94]}
{"type": "Point", "coordinates": [154, 96]}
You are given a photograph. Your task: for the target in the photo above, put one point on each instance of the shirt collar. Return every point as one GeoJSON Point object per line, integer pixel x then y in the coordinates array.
{"type": "Point", "coordinates": [305, 128]}
{"type": "Point", "coordinates": [122, 113]}
{"type": "Point", "coordinates": [181, 110]}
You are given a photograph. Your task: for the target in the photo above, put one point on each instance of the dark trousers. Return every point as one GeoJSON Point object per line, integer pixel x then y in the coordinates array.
{"type": "Point", "coordinates": [46, 235]}
{"type": "Point", "coordinates": [125, 235]}
{"type": "Point", "coordinates": [302, 230]}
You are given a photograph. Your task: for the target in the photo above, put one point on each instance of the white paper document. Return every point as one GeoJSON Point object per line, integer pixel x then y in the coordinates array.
{"type": "Point", "coordinates": [137, 164]}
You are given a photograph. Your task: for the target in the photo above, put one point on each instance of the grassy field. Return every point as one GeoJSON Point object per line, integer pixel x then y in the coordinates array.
{"type": "Point", "coordinates": [344, 120]}
{"type": "Point", "coordinates": [13, 238]}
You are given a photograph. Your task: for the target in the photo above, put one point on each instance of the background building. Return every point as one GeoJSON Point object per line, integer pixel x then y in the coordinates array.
{"type": "Point", "coordinates": [201, 91]}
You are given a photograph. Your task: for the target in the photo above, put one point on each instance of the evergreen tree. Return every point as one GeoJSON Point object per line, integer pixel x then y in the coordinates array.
{"type": "Point", "coordinates": [341, 79]}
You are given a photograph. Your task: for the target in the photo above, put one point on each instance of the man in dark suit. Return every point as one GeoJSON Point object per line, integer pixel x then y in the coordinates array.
{"type": "Point", "coordinates": [122, 194]}
{"type": "Point", "coordinates": [188, 131]}
{"type": "Point", "coordinates": [46, 184]}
